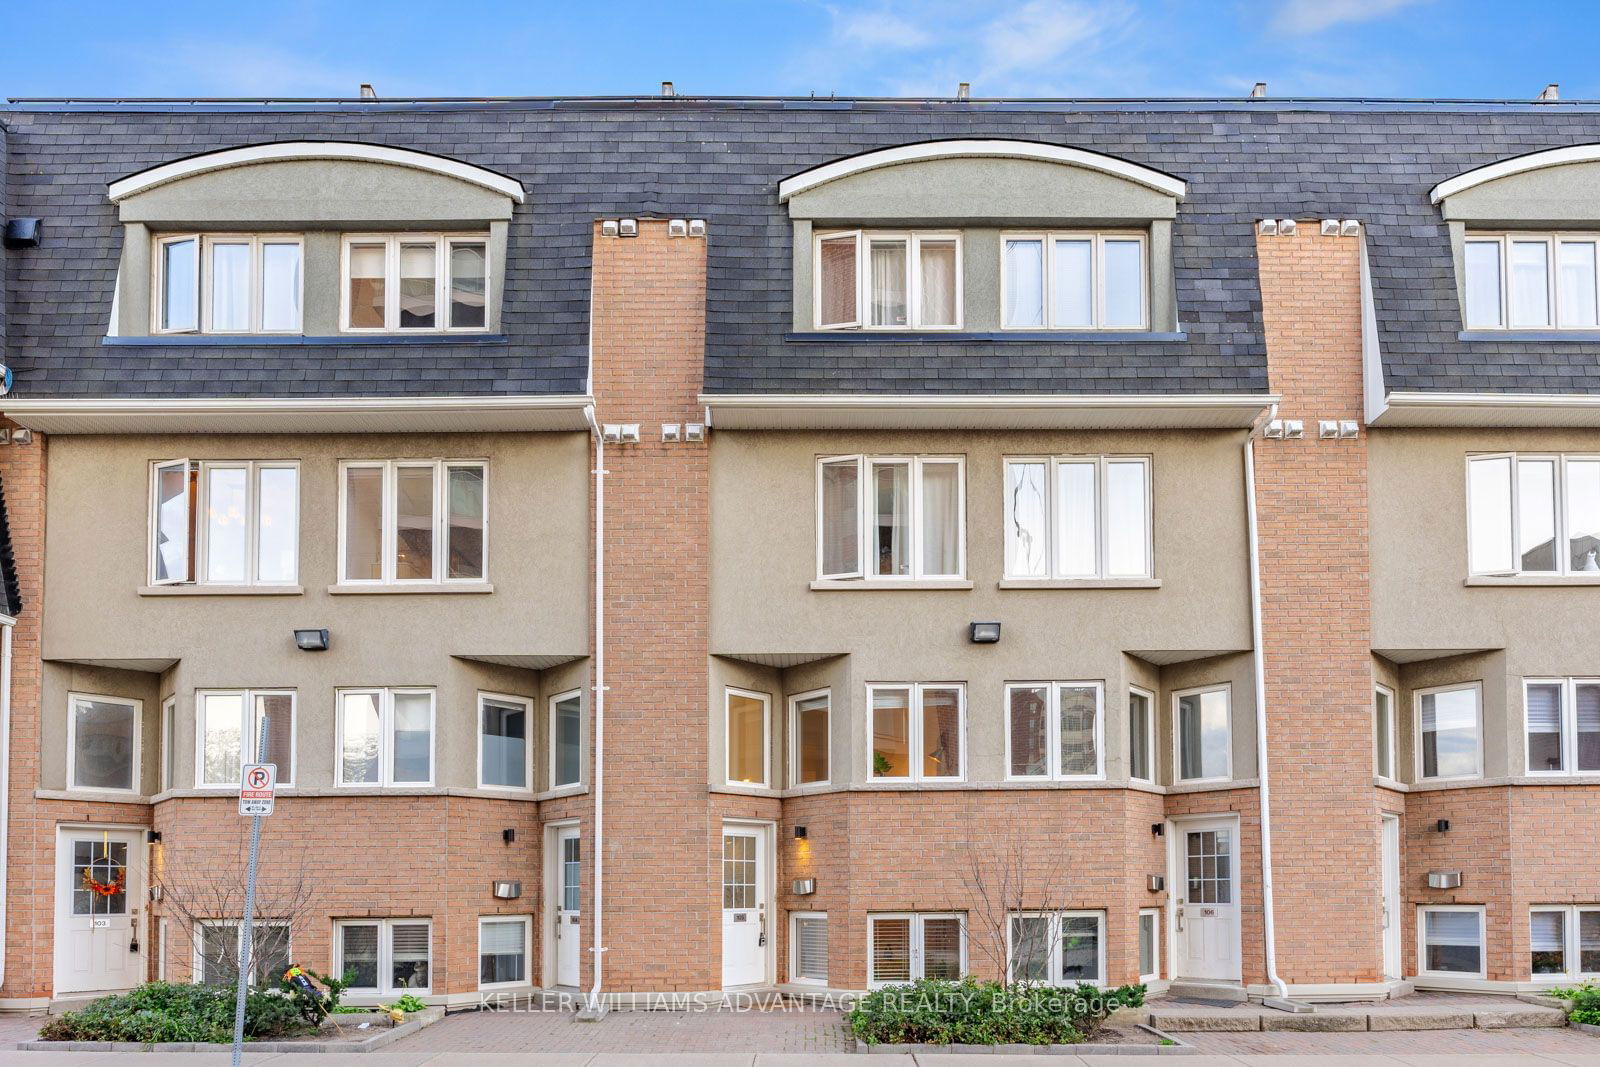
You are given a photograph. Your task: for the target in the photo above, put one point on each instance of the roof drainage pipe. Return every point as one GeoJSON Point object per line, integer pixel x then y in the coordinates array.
{"type": "Point", "coordinates": [595, 1009]}
{"type": "Point", "coordinates": [7, 625]}
{"type": "Point", "coordinates": [1262, 767]}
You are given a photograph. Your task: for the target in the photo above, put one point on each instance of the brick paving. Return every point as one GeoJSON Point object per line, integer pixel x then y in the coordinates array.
{"type": "Point", "coordinates": [1510, 1042]}
{"type": "Point", "coordinates": [791, 1030]}
{"type": "Point", "coordinates": [15, 1028]}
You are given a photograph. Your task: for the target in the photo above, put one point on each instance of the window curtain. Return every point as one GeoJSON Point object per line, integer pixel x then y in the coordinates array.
{"type": "Point", "coordinates": [1027, 547]}
{"type": "Point", "coordinates": [941, 518]}
{"type": "Point", "coordinates": [892, 490]}
{"type": "Point", "coordinates": [941, 948]}
{"type": "Point", "coordinates": [1074, 283]}
{"type": "Point", "coordinates": [841, 521]}
{"type": "Point", "coordinates": [938, 283]}
{"type": "Point", "coordinates": [230, 287]}
{"type": "Point", "coordinates": [888, 283]}
{"type": "Point", "coordinates": [1024, 283]}
{"type": "Point", "coordinates": [280, 287]}
{"type": "Point", "coordinates": [1544, 727]}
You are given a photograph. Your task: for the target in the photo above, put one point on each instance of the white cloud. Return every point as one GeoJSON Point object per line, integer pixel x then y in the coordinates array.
{"type": "Point", "coordinates": [1041, 31]}
{"type": "Point", "coordinates": [879, 28]}
{"type": "Point", "coordinates": [1314, 16]}
{"type": "Point", "coordinates": [195, 67]}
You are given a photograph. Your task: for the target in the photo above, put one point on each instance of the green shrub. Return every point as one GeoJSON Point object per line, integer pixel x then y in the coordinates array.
{"type": "Point", "coordinates": [1585, 999]}
{"type": "Point", "coordinates": [166, 1011]}
{"type": "Point", "coordinates": [970, 1012]}
{"type": "Point", "coordinates": [410, 1003]}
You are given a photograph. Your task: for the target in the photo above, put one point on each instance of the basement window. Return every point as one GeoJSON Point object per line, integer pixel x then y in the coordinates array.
{"type": "Point", "coordinates": [908, 947]}
{"type": "Point", "coordinates": [1057, 949]}
{"type": "Point", "coordinates": [1451, 940]}
{"type": "Point", "coordinates": [387, 955]}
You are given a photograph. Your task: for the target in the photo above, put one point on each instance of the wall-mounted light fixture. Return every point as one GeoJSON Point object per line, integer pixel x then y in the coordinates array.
{"type": "Point", "coordinates": [22, 233]}
{"type": "Point", "coordinates": [799, 833]}
{"type": "Point", "coordinates": [804, 887]}
{"type": "Point", "coordinates": [152, 836]}
{"type": "Point", "coordinates": [311, 640]}
{"type": "Point", "coordinates": [1158, 883]}
{"type": "Point", "coordinates": [507, 890]}
{"type": "Point", "coordinates": [1444, 879]}
{"type": "Point", "coordinates": [984, 633]}
{"type": "Point", "coordinates": [509, 834]}
{"type": "Point", "coordinates": [1443, 826]}
{"type": "Point", "coordinates": [1158, 829]}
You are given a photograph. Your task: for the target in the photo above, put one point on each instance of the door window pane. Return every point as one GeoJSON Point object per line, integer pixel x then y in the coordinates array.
{"type": "Point", "coordinates": [358, 951]}
{"type": "Point", "coordinates": [469, 285]}
{"type": "Point", "coordinates": [891, 529]}
{"type": "Point", "coordinates": [1544, 728]}
{"type": "Point", "coordinates": [418, 286]}
{"type": "Point", "coordinates": [1583, 515]}
{"type": "Point", "coordinates": [738, 871]}
{"type": "Point", "coordinates": [938, 264]}
{"type": "Point", "coordinates": [1383, 724]}
{"type": "Point", "coordinates": [1575, 300]}
{"type": "Point", "coordinates": [280, 286]}
{"type": "Point", "coordinates": [408, 955]}
{"type": "Point", "coordinates": [941, 518]}
{"type": "Point", "coordinates": [1030, 948]}
{"type": "Point", "coordinates": [502, 951]}
{"type": "Point", "coordinates": [1208, 866]}
{"type": "Point", "coordinates": [413, 523]}
{"type": "Point", "coordinates": [567, 726]}
{"type": "Point", "coordinates": [1078, 741]}
{"type": "Point", "coordinates": [464, 488]}
{"type": "Point", "coordinates": [1024, 283]}
{"type": "Point", "coordinates": [413, 737]}
{"type": "Point", "coordinates": [1548, 941]}
{"type": "Point", "coordinates": [360, 742]}
{"type": "Point", "coordinates": [1126, 533]}
{"type": "Point", "coordinates": [104, 735]}
{"type": "Point", "coordinates": [1452, 942]}
{"type": "Point", "coordinates": [1029, 731]}
{"type": "Point", "coordinates": [891, 950]}
{"type": "Point", "coordinates": [1124, 283]}
{"type": "Point", "coordinates": [1530, 283]}
{"type": "Point", "coordinates": [1483, 284]}
{"type": "Point", "coordinates": [841, 523]}
{"type": "Point", "coordinates": [1587, 699]}
{"type": "Point", "coordinates": [571, 873]}
{"type": "Point", "coordinates": [227, 532]}
{"type": "Point", "coordinates": [1203, 735]}
{"type": "Point", "coordinates": [105, 862]}
{"type": "Point", "coordinates": [941, 733]}
{"type": "Point", "coordinates": [1536, 513]}
{"type": "Point", "coordinates": [747, 739]}
{"type": "Point", "coordinates": [1139, 738]}
{"type": "Point", "coordinates": [505, 743]}
{"type": "Point", "coordinates": [836, 271]}
{"type": "Point", "coordinates": [1489, 494]}
{"type": "Point", "coordinates": [891, 733]}
{"type": "Point", "coordinates": [367, 286]}
{"type": "Point", "coordinates": [221, 738]}
{"type": "Point", "coordinates": [1450, 734]}
{"type": "Point", "coordinates": [1076, 525]}
{"type": "Point", "coordinates": [941, 948]}
{"type": "Point", "coordinates": [278, 524]}
{"type": "Point", "coordinates": [887, 261]}
{"type": "Point", "coordinates": [180, 284]}
{"type": "Point", "coordinates": [363, 524]}
{"type": "Point", "coordinates": [811, 739]}
{"type": "Point", "coordinates": [230, 286]}
{"type": "Point", "coordinates": [1027, 538]}
{"type": "Point", "coordinates": [1080, 948]}
{"type": "Point", "coordinates": [1074, 283]}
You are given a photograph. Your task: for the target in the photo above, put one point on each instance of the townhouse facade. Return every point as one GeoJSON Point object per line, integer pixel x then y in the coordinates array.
{"type": "Point", "coordinates": [691, 545]}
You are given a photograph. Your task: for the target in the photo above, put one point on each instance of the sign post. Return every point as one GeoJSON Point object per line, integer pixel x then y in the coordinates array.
{"type": "Point", "coordinates": [256, 786]}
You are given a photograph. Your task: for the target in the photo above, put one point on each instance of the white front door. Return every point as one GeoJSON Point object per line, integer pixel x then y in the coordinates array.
{"type": "Point", "coordinates": [569, 882]}
{"type": "Point", "coordinates": [1207, 926]}
{"type": "Point", "coordinates": [744, 907]}
{"type": "Point", "coordinates": [1391, 896]}
{"type": "Point", "coordinates": [99, 887]}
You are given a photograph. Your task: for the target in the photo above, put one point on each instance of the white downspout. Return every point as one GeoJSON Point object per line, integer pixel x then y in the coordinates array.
{"type": "Point", "coordinates": [598, 705]}
{"type": "Point", "coordinates": [1262, 774]}
{"type": "Point", "coordinates": [6, 628]}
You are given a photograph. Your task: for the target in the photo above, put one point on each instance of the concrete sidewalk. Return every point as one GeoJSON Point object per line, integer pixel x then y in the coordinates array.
{"type": "Point", "coordinates": [743, 1059]}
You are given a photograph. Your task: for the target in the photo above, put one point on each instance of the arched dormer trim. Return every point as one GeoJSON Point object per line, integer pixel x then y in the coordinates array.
{"type": "Point", "coordinates": [283, 151]}
{"type": "Point", "coordinates": [1506, 168]}
{"type": "Point", "coordinates": [982, 149]}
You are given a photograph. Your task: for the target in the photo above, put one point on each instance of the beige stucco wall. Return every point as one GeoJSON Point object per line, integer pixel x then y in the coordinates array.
{"type": "Point", "coordinates": [96, 562]}
{"type": "Point", "coordinates": [763, 535]}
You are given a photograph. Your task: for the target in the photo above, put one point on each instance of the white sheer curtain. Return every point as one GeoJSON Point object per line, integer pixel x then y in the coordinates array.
{"type": "Point", "coordinates": [1024, 283]}
{"type": "Point", "coordinates": [1126, 534]}
{"type": "Point", "coordinates": [941, 518]}
{"type": "Point", "coordinates": [230, 287]}
{"type": "Point", "coordinates": [280, 287]}
{"type": "Point", "coordinates": [1076, 529]}
{"type": "Point", "coordinates": [1576, 266]}
{"type": "Point", "coordinates": [1027, 545]}
{"type": "Point", "coordinates": [891, 488]}
{"type": "Point", "coordinates": [1074, 283]}
{"type": "Point", "coordinates": [888, 283]}
{"type": "Point", "coordinates": [1530, 283]}
{"type": "Point", "coordinates": [1483, 283]}
{"type": "Point", "coordinates": [938, 283]}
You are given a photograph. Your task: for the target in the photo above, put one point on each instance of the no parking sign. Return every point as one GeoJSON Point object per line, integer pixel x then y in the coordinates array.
{"type": "Point", "coordinates": [256, 788]}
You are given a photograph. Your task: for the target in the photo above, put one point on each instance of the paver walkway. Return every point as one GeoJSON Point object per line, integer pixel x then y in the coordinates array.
{"type": "Point", "coordinates": [1508, 1044]}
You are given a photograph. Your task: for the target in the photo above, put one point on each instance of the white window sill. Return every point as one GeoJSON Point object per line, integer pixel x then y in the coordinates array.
{"type": "Point", "coordinates": [221, 590]}
{"type": "Point", "coordinates": [380, 588]}
{"type": "Point", "coordinates": [1079, 583]}
{"type": "Point", "coordinates": [1531, 579]}
{"type": "Point", "coordinates": [108, 796]}
{"type": "Point", "coordinates": [890, 583]}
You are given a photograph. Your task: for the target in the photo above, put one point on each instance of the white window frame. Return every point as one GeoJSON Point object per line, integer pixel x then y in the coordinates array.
{"type": "Point", "coordinates": [1097, 298]}
{"type": "Point", "coordinates": [794, 739]}
{"type": "Point", "coordinates": [203, 245]}
{"type": "Point", "coordinates": [1152, 718]}
{"type": "Point", "coordinates": [1103, 536]}
{"type": "Point", "coordinates": [1154, 915]}
{"type": "Point", "coordinates": [1552, 240]}
{"type": "Point", "coordinates": [555, 755]}
{"type": "Point", "coordinates": [1054, 937]}
{"type": "Point", "coordinates": [1569, 727]}
{"type": "Point", "coordinates": [386, 697]}
{"type": "Point", "coordinates": [1572, 948]}
{"type": "Point", "coordinates": [1422, 940]}
{"type": "Point", "coordinates": [915, 464]}
{"type": "Point", "coordinates": [442, 243]}
{"type": "Point", "coordinates": [248, 733]}
{"type": "Point", "coordinates": [1053, 731]}
{"type": "Point", "coordinates": [916, 944]}
{"type": "Point", "coordinates": [728, 693]}
{"type": "Point", "coordinates": [1177, 732]}
{"type": "Point", "coordinates": [169, 730]}
{"type": "Point", "coordinates": [1384, 745]}
{"type": "Point", "coordinates": [529, 741]}
{"type": "Point", "coordinates": [913, 240]}
{"type": "Point", "coordinates": [914, 731]}
{"type": "Point", "coordinates": [389, 535]}
{"type": "Point", "coordinates": [385, 962]}
{"type": "Point", "coordinates": [197, 473]}
{"type": "Point", "coordinates": [136, 775]}
{"type": "Point", "coordinates": [527, 952]}
{"type": "Point", "coordinates": [1416, 729]}
{"type": "Point", "coordinates": [198, 973]}
{"type": "Point", "coordinates": [795, 917]}
{"type": "Point", "coordinates": [1563, 550]}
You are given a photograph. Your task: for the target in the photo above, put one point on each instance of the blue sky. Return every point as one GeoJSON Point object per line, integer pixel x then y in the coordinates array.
{"type": "Point", "coordinates": [1474, 48]}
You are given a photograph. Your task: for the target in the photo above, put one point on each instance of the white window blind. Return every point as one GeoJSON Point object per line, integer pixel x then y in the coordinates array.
{"type": "Point", "coordinates": [811, 948]}
{"type": "Point", "coordinates": [502, 938]}
{"type": "Point", "coordinates": [1587, 699]}
{"type": "Point", "coordinates": [891, 950]}
{"type": "Point", "coordinates": [1544, 727]}
{"type": "Point", "coordinates": [1549, 933]}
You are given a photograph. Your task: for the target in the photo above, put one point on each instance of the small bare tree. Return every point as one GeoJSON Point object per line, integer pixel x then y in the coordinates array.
{"type": "Point", "coordinates": [1008, 872]}
{"type": "Point", "coordinates": [203, 890]}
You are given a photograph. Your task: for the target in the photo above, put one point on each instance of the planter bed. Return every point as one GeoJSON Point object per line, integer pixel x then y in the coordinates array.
{"type": "Point", "coordinates": [339, 1035]}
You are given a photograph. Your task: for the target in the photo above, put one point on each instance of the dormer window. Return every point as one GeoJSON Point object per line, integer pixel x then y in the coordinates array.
{"type": "Point", "coordinates": [1074, 281]}
{"type": "Point", "coordinates": [888, 281]}
{"type": "Point", "coordinates": [426, 282]}
{"type": "Point", "coordinates": [228, 283]}
{"type": "Point", "coordinates": [1532, 281]}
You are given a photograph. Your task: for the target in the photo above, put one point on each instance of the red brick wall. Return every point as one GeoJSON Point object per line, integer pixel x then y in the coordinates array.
{"type": "Point", "coordinates": [1312, 513]}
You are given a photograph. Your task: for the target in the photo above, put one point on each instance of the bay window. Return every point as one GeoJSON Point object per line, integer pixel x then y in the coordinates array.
{"type": "Point", "coordinates": [1077, 517]}
{"type": "Point", "coordinates": [566, 739]}
{"type": "Point", "coordinates": [103, 743]}
{"type": "Point", "coordinates": [413, 521]}
{"type": "Point", "coordinates": [887, 281]}
{"type": "Point", "coordinates": [228, 734]}
{"type": "Point", "coordinates": [1057, 948]}
{"type": "Point", "coordinates": [1562, 716]}
{"type": "Point", "coordinates": [228, 283]}
{"type": "Point", "coordinates": [1564, 941]}
{"type": "Point", "coordinates": [810, 738]}
{"type": "Point", "coordinates": [1054, 730]}
{"type": "Point", "coordinates": [387, 955]}
{"type": "Point", "coordinates": [398, 283]}
{"type": "Point", "coordinates": [1204, 734]}
{"type": "Point", "coordinates": [1533, 514]}
{"type": "Point", "coordinates": [1383, 731]}
{"type": "Point", "coordinates": [891, 517]}
{"type": "Point", "coordinates": [916, 731]}
{"type": "Point", "coordinates": [1451, 940]}
{"type": "Point", "coordinates": [1141, 736]}
{"type": "Point", "coordinates": [505, 756]}
{"type": "Point", "coordinates": [908, 947]}
{"type": "Point", "coordinates": [1450, 732]}
{"type": "Point", "coordinates": [1531, 281]}
{"type": "Point", "coordinates": [1074, 281]}
{"type": "Point", "coordinates": [385, 737]}
{"type": "Point", "coordinates": [746, 724]}
{"type": "Point", "coordinates": [224, 522]}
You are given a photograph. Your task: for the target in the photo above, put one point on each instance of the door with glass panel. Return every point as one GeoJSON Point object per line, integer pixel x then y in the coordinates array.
{"type": "Point", "coordinates": [99, 883]}
{"type": "Point", "coordinates": [566, 918]}
{"type": "Point", "coordinates": [1207, 908]}
{"type": "Point", "coordinates": [744, 907]}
